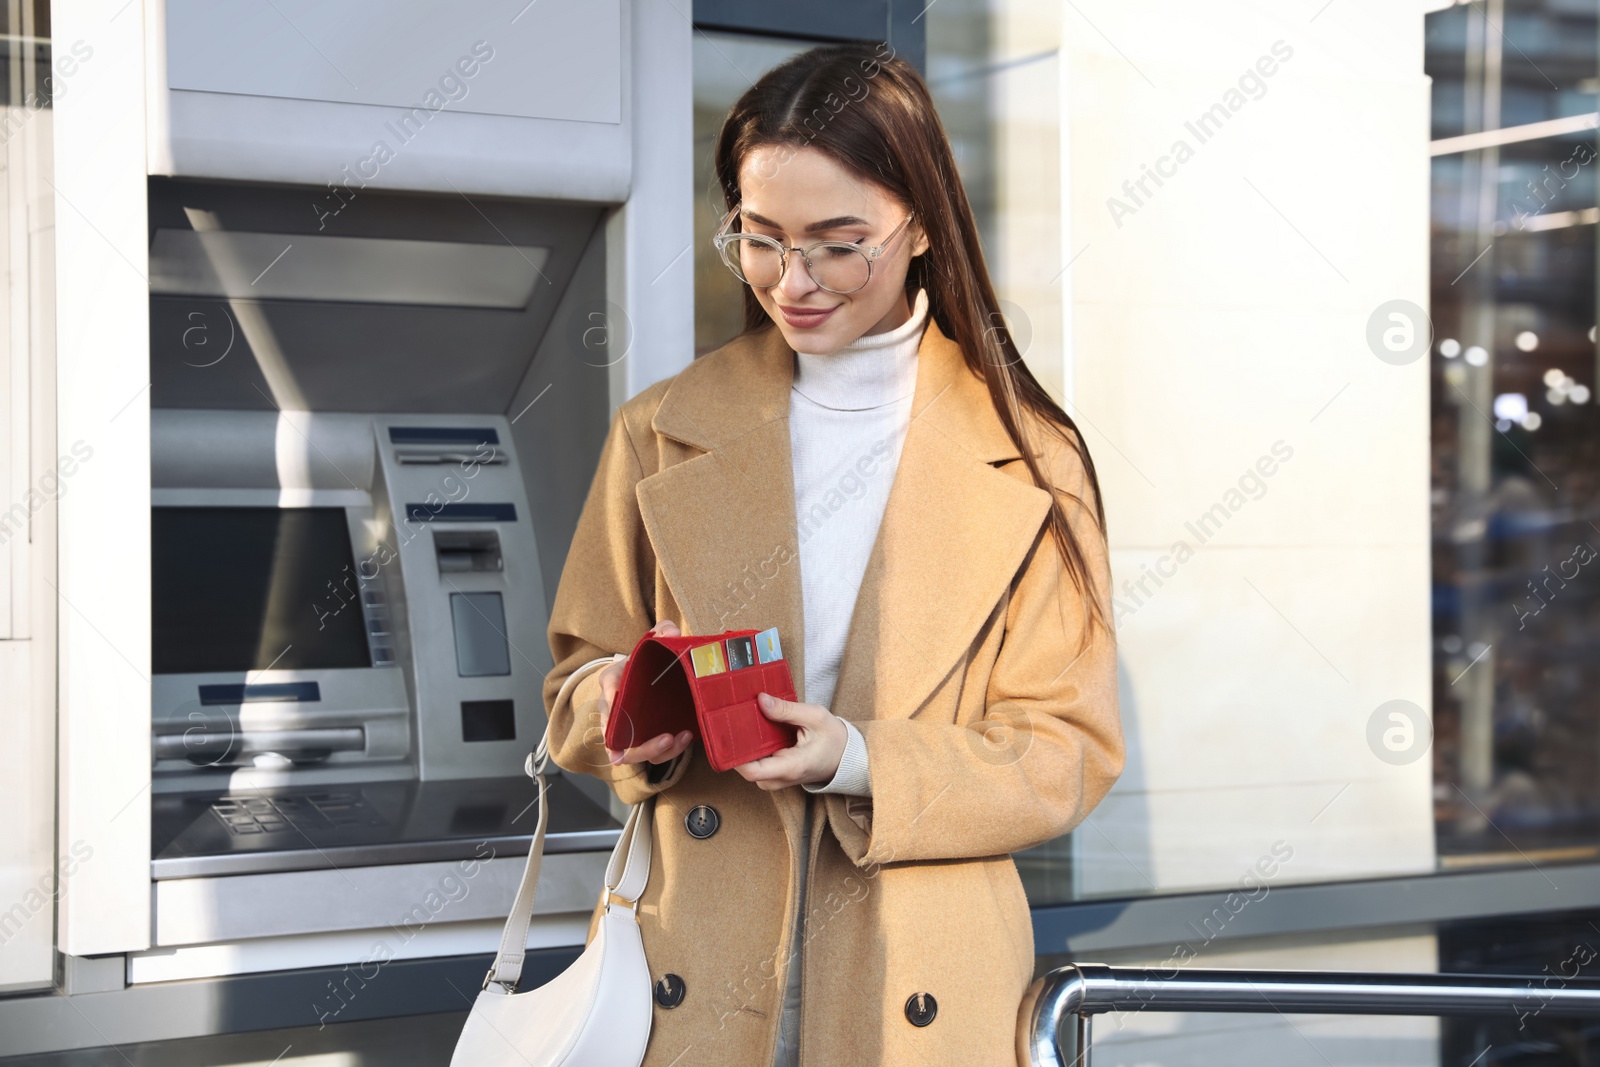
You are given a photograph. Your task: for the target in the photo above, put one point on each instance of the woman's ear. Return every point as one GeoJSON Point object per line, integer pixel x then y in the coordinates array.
{"type": "Point", "coordinates": [920, 244]}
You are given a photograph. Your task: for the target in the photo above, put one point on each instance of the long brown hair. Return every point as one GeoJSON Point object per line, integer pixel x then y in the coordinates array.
{"type": "Point", "coordinates": [871, 111]}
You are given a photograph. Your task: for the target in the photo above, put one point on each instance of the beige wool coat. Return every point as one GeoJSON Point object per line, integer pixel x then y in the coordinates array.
{"type": "Point", "coordinates": [987, 729]}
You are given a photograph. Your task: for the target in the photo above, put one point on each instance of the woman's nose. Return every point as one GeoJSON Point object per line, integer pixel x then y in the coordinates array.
{"type": "Point", "coordinates": [796, 282]}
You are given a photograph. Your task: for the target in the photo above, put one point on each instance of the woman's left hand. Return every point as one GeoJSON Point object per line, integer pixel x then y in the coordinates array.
{"type": "Point", "coordinates": [815, 755]}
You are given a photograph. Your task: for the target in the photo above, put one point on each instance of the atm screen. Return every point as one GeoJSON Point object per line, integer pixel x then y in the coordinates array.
{"type": "Point", "coordinates": [239, 589]}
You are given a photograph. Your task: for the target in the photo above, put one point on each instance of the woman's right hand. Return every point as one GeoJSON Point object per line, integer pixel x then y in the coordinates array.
{"type": "Point", "coordinates": [658, 749]}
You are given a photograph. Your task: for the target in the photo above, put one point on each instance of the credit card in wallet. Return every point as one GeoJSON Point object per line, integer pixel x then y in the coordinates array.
{"type": "Point", "coordinates": [708, 660]}
{"type": "Point", "coordinates": [741, 653]}
{"type": "Point", "coordinates": [768, 648]}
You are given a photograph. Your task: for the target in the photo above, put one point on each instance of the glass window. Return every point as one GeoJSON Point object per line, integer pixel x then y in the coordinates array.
{"type": "Point", "coordinates": [32, 471]}
{"type": "Point", "coordinates": [1516, 440]}
{"type": "Point", "coordinates": [994, 69]}
{"type": "Point", "coordinates": [725, 65]}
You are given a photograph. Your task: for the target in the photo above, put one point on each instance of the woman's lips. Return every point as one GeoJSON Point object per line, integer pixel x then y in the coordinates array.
{"type": "Point", "coordinates": [806, 317]}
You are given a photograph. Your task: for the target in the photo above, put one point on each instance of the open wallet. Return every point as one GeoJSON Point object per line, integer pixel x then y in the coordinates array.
{"type": "Point", "coordinates": [705, 684]}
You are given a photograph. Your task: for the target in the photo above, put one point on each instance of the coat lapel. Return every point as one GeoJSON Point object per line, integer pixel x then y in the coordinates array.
{"type": "Point", "coordinates": [954, 533]}
{"type": "Point", "coordinates": [722, 523]}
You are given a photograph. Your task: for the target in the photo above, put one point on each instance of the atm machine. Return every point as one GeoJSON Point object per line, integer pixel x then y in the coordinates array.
{"type": "Point", "coordinates": [348, 645]}
{"type": "Point", "coordinates": [347, 669]}
{"type": "Point", "coordinates": [348, 597]}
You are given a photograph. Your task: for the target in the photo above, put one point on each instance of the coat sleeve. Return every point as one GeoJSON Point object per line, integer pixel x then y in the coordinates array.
{"type": "Point", "coordinates": [604, 604]}
{"type": "Point", "coordinates": [1048, 747]}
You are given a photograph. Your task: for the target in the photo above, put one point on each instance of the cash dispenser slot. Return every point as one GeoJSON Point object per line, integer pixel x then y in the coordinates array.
{"type": "Point", "coordinates": [438, 445]}
{"type": "Point", "coordinates": [461, 512]}
{"type": "Point", "coordinates": [212, 746]}
{"type": "Point", "coordinates": [412, 457]}
{"type": "Point", "coordinates": [468, 551]}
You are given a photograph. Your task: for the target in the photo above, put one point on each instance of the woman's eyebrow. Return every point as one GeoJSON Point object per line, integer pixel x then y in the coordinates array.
{"type": "Point", "coordinates": [815, 227]}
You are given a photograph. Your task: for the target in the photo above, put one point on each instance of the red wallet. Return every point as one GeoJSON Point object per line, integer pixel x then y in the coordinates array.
{"type": "Point", "coordinates": [706, 685]}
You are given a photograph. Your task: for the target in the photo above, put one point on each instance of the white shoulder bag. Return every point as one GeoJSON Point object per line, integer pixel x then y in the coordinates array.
{"type": "Point", "coordinates": [596, 1013]}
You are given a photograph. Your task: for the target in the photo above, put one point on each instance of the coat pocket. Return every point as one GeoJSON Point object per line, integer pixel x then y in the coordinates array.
{"type": "Point", "coordinates": [859, 809]}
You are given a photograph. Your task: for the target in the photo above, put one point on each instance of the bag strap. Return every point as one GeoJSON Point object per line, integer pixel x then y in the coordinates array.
{"type": "Point", "coordinates": [626, 873]}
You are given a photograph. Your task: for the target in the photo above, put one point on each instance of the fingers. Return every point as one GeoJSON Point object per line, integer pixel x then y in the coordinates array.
{"type": "Point", "coordinates": [658, 749]}
{"type": "Point", "coordinates": [610, 682]}
{"type": "Point", "coordinates": [777, 771]}
{"type": "Point", "coordinates": [666, 628]}
{"type": "Point", "coordinates": [675, 747]}
{"type": "Point", "coordinates": [814, 757]}
{"type": "Point", "coordinates": [780, 710]}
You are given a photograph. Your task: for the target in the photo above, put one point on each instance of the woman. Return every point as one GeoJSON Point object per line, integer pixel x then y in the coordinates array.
{"type": "Point", "coordinates": [872, 469]}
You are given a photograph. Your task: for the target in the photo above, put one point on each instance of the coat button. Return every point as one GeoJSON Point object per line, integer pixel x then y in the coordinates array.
{"type": "Point", "coordinates": [669, 991]}
{"type": "Point", "coordinates": [921, 1008]}
{"type": "Point", "coordinates": [702, 821]}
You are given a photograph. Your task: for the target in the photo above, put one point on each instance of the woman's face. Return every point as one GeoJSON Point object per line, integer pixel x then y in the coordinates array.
{"type": "Point", "coordinates": [802, 196]}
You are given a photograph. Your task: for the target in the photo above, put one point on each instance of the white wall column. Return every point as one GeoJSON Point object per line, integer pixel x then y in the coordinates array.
{"type": "Point", "coordinates": [649, 258]}
{"type": "Point", "coordinates": [103, 588]}
{"type": "Point", "coordinates": [1249, 185]}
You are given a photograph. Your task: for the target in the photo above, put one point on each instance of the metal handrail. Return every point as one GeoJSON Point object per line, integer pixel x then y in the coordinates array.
{"type": "Point", "coordinates": [1085, 989]}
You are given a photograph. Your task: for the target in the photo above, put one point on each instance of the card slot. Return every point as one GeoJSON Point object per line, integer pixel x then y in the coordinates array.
{"type": "Point", "coordinates": [738, 733]}
{"type": "Point", "coordinates": [747, 683]}
{"type": "Point", "coordinates": [775, 679]}
{"type": "Point", "coordinates": [719, 734]}
{"type": "Point", "coordinates": [716, 691]}
{"type": "Point", "coordinates": [730, 737]}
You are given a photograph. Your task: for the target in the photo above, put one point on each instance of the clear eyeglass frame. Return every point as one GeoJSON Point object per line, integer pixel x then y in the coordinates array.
{"type": "Point", "coordinates": [724, 241]}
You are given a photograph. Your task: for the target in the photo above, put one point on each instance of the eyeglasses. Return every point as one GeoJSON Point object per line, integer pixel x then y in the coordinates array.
{"type": "Point", "coordinates": [837, 266]}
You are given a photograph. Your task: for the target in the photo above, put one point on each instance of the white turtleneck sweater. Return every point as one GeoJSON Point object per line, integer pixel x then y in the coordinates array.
{"type": "Point", "coordinates": [848, 414]}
